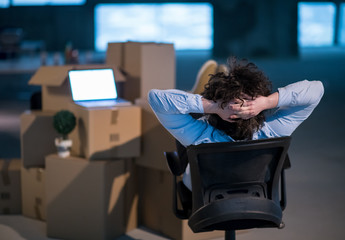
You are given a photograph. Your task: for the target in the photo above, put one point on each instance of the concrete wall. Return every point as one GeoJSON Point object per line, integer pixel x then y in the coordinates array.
{"type": "Point", "coordinates": [246, 28]}
{"type": "Point", "coordinates": [249, 28]}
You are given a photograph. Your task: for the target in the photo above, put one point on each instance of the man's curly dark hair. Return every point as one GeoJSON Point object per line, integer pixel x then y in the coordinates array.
{"type": "Point", "coordinates": [243, 77]}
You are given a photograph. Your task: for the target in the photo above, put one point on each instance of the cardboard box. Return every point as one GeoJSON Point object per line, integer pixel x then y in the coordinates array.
{"type": "Point", "coordinates": [37, 136]}
{"type": "Point", "coordinates": [87, 200]}
{"type": "Point", "coordinates": [33, 192]}
{"type": "Point", "coordinates": [155, 139]}
{"type": "Point", "coordinates": [56, 93]}
{"type": "Point", "coordinates": [115, 54]}
{"type": "Point", "coordinates": [127, 56]}
{"type": "Point", "coordinates": [131, 195]}
{"type": "Point", "coordinates": [106, 133]}
{"type": "Point", "coordinates": [147, 66]}
{"type": "Point", "coordinates": [155, 207]}
{"type": "Point", "coordinates": [10, 195]}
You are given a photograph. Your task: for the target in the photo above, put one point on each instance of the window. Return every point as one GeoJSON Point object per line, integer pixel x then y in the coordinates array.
{"type": "Point", "coordinates": [316, 24]}
{"type": "Point", "coordinates": [4, 3]}
{"type": "Point", "coordinates": [187, 25]}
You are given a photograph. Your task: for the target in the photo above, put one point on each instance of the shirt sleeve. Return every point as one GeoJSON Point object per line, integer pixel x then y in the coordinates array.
{"type": "Point", "coordinates": [172, 108]}
{"type": "Point", "coordinates": [174, 102]}
{"type": "Point", "coordinates": [296, 102]}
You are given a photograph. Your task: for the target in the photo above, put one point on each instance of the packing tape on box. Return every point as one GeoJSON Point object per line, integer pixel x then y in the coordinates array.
{"type": "Point", "coordinates": [38, 200]}
{"type": "Point", "coordinates": [5, 172]}
{"type": "Point", "coordinates": [5, 196]}
{"type": "Point", "coordinates": [6, 211]}
{"type": "Point", "coordinates": [39, 173]}
{"type": "Point", "coordinates": [38, 207]}
{"type": "Point", "coordinates": [114, 137]}
{"type": "Point", "coordinates": [114, 116]}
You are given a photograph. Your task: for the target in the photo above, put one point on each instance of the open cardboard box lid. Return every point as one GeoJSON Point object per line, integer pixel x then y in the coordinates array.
{"type": "Point", "coordinates": [10, 165]}
{"type": "Point", "coordinates": [55, 75]}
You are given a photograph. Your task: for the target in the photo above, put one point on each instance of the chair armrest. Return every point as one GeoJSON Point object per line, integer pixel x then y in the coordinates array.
{"type": "Point", "coordinates": [282, 190]}
{"type": "Point", "coordinates": [185, 212]}
{"type": "Point", "coordinates": [175, 164]}
{"type": "Point", "coordinates": [286, 165]}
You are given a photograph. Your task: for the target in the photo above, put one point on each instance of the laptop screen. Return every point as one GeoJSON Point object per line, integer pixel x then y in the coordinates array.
{"type": "Point", "coordinates": [92, 84]}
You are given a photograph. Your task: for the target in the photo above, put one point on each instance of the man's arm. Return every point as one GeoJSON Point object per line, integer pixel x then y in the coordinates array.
{"type": "Point", "coordinates": [227, 113]}
{"type": "Point", "coordinates": [294, 103]}
{"type": "Point", "coordinates": [170, 102]}
{"type": "Point", "coordinates": [172, 108]}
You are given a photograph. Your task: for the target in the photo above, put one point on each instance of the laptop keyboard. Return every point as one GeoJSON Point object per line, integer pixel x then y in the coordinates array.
{"type": "Point", "coordinates": [104, 103]}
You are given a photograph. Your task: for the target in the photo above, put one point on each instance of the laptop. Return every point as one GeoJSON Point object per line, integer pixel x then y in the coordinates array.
{"type": "Point", "coordinates": [95, 88]}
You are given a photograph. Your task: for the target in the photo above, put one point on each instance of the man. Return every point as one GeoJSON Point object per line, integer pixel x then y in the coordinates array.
{"type": "Point", "coordinates": [237, 105]}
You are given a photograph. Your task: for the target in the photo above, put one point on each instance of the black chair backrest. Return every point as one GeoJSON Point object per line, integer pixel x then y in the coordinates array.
{"type": "Point", "coordinates": [228, 170]}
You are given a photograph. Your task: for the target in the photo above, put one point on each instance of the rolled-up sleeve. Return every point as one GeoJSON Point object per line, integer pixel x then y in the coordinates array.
{"type": "Point", "coordinates": [303, 93]}
{"type": "Point", "coordinates": [296, 102]}
{"type": "Point", "coordinates": [174, 102]}
{"type": "Point", "coordinates": [172, 108]}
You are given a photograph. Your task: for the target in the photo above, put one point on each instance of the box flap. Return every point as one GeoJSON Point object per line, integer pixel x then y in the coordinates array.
{"type": "Point", "coordinates": [56, 75]}
{"type": "Point", "coordinates": [50, 75]}
{"type": "Point", "coordinates": [10, 165]}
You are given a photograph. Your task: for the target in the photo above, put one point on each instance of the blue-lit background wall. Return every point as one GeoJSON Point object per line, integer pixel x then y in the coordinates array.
{"type": "Point", "coordinates": [246, 28]}
{"type": "Point", "coordinates": [8, 3]}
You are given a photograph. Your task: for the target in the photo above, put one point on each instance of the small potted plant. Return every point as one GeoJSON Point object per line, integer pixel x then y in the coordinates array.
{"type": "Point", "coordinates": [64, 122]}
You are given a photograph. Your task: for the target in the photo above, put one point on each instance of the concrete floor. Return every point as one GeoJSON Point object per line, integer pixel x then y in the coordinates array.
{"type": "Point", "coordinates": [315, 183]}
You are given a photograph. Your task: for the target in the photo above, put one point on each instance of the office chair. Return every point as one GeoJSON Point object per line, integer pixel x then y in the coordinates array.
{"type": "Point", "coordinates": [235, 185]}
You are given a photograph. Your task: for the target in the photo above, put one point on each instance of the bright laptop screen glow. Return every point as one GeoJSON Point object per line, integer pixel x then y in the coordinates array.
{"type": "Point", "coordinates": [96, 84]}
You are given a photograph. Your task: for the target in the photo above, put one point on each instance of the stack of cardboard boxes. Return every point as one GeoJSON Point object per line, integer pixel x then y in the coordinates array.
{"type": "Point", "coordinates": [10, 193]}
{"type": "Point", "coordinates": [90, 195]}
{"type": "Point", "coordinates": [116, 177]}
{"type": "Point", "coordinates": [36, 135]}
{"type": "Point", "coordinates": [148, 66]}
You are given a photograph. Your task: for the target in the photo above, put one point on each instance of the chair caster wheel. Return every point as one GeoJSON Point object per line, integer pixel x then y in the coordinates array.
{"type": "Point", "coordinates": [281, 225]}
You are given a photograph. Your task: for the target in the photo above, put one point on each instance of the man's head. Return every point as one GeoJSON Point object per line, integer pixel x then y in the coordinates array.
{"type": "Point", "coordinates": [243, 79]}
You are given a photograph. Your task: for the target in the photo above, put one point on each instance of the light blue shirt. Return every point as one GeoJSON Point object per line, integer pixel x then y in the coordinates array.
{"type": "Point", "coordinates": [172, 107]}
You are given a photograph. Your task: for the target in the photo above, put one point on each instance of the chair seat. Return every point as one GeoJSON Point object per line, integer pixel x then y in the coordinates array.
{"type": "Point", "coordinates": [236, 214]}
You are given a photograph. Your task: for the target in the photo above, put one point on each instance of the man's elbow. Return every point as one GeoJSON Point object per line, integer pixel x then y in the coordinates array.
{"type": "Point", "coordinates": [152, 96]}
{"type": "Point", "coordinates": [318, 91]}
